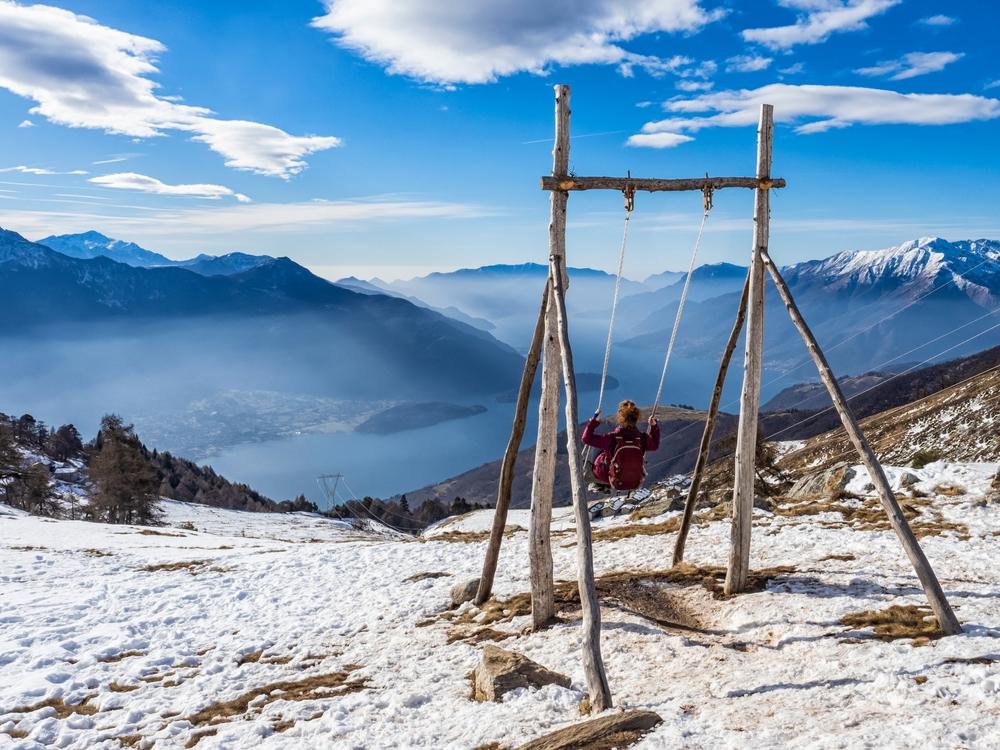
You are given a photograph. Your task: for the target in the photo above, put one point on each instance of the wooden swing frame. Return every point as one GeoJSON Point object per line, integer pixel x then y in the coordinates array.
{"type": "Point", "coordinates": [550, 344]}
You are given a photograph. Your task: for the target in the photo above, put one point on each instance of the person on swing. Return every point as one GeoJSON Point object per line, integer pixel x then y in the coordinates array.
{"type": "Point", "coordinates": [621, 463]}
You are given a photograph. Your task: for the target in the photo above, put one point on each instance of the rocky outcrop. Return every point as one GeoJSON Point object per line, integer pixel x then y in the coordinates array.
{"type": "Point", "coordinates": [823, 484]}
{"type": "Point", "coordinates": [615, 731]}
{"type": "Point", "coordinates": [501, 671]}
{"type": "Point", "coordinates": [464, 591]}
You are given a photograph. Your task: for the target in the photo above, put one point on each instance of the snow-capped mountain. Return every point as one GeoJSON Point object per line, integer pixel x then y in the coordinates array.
{"type": "Point", "coordinates": [93, 244]}
{"type": "Point", "coordinates": [915, 267]}
{"type": "Point", "coordinates": [223, 265]}
{"type": "Point", "coordinates": [926, 299]}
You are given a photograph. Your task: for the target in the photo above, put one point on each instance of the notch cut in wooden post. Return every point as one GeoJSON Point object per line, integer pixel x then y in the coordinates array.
{"type": "Point", "coordinates": [746, 436]}
{"type": "Point", "coordinates": [932, 588]}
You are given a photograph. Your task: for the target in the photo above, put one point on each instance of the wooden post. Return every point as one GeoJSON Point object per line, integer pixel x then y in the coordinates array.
{"type": "Point", "coordinates": [935, 595]}
{"type": "Point", "coordinates": [543, 477]}
{"type": "Point", "coordinates": [593, 663]}
{"type": "Point", "coordinates": [746, 436]}
{"type": "Point", "coordinates": [506, 480]}
{"type": "Point", "coordinates": [706, 436]}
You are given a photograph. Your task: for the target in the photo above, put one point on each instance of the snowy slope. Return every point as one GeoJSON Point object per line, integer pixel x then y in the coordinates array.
{"type": "Point", "coordinates": [169, 637]}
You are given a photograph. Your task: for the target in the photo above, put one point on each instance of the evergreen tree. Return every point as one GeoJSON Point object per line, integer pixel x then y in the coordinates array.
{"type": "Point", "coordinates": [125, 483]}
{"type": "Point", "coordinates": [404, 504]}
{"type": "Point", "coordinates": [65, 443]}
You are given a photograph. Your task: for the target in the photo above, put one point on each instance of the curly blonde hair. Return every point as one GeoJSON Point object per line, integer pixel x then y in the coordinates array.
{"type": "Point", "coordinates": [628, 413]}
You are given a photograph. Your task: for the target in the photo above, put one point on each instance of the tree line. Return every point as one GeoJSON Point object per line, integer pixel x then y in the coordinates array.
{"type": "Point", "coordinates": [122, 479]}
{"type": "Point", "coordinates": [397, 513]}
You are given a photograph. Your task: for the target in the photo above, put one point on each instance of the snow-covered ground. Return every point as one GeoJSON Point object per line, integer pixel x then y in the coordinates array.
{"type": "Point", "coordinates": [298, 632]}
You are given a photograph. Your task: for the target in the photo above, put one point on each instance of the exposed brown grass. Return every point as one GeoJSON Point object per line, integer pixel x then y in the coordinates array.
{"type": "Point", "coordinates": [842, 558]}
{"type": "Point", "coordinates": [469, 537]}
{"type": "Point", "coordinates": [98, 553]}
{"type": "Point", "coordinates": [15, 733]}
{"type": "Point", "coordinates": [477, 635]}
{"type": "Point", "coordinates": [950, 490]}
{"type": "Point", "coordinates": [643, 592]}
{"type": "Point", "coordinates": [309, 688]}
{"type": "Point", "coordinates": [870, 516]}
{"type": "Point", "coordinates": [197, 737]}
{"type": "Point", "coordinates": [189, 565]}
{"type": "Point", "coordinates": [154, 532]}
{"type": "Point", "coordinates": [119, 656]}
{"type": "Point", "coordinates": [258, 656]}
{"type": "Point", "coordinates": [898, 621]}
{"type": "Point", "coordinates": [63, 710]}
{"type": "Point", "coordinates": [129, 740]}
{"type": "Point", "coordinates": [117, 687]}
{"type": "Point", "coordinates": [424, 576]}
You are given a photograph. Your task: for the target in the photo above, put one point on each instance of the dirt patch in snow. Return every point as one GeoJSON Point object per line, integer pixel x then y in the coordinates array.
{"type": "Point", "coordinates": [329, 685]}
{"type": "Point", "coordinates": [866, 514]}
{"type": "Point", "coordinates": [120, 656]}
{"type": "Point", "coordinates": [898, 621]}
{"type": "Point", "coordinates": [62, 710]}
{"type": "Point", "coordinates": [425, 576]}
{"type": "Point", "coordinates": [655, 595]}
{"type": "Point", "coordinates": [189, 565]}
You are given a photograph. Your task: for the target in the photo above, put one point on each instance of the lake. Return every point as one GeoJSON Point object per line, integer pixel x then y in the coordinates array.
{"type": "Point", "coordinates": [385, 465]}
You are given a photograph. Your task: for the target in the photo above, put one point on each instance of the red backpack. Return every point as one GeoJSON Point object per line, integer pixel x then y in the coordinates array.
{"type": "Point", "coordinates": [627, 468]}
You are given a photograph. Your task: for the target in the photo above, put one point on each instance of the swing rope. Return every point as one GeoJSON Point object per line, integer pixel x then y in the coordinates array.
{"type": "Point", "coordinates": [629, 204]}
{"type": "Point", "coordinates": [680, 305]}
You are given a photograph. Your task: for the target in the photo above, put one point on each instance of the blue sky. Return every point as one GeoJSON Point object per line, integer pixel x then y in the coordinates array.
{"type": "Point", "coordinates": [379, 137]}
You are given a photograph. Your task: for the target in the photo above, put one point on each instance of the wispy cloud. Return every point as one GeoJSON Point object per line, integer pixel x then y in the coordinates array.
{"type": "Point", "coordinates": [747, 63]}
{"type": "Point", "coordinates": [481, 42]}
{"type": "Point", "coordinates": [818, 20]}
{"type": "Point", "coordinates": [26, 124]}
{"type": "Point", "coordinates": [993, 84]}
{"type": "Point", "coordinates": [145, 184]}
{"type": "Point", "coordinates": [793, 69]}
{"type": "Point", "coordinates": [939, 20]}
{"type": "Point", "coordinates": [82, 74]}
{"type": "Point", "coordinates": [911, 65]}
{"type": "Point", "coordinates": [241, 219]}
{"type": "Point", "coordinates": [21, 169]}
{"type": "Point", "coordinates": [814, 108]}
{"type": "Point", "coordinates": [115, 159]}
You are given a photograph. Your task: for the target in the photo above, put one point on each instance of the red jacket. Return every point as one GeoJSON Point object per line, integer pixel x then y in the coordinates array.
{"type": "Point", "coordinates": [606, 443]}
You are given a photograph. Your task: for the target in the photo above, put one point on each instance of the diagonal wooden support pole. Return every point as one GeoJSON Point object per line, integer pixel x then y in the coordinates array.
{"type": "Point", "coordinates": [935, 595]}
{"type": "Point", "coordinates": [593, 663]}
{"type": "Point", "coordinates": [706, 437]}
{"type": "Point", "coordinates": [746, 436]}
{"type": "Point", "coordinates": [506, 481]}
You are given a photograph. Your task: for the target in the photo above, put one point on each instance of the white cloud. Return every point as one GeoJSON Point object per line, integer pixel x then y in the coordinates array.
{"type": "Point", "coordinates": [85, 75]}
{"type": "Point", "coordinates": [817, 20]}
{"type": "Point", "coordinates": [146, 184]}
{"type": "Point", "coordinates": [26, 124]}
{"type": "Point", "coordinates": [747, 63]}
{"type": "Point", "coordinates": [993, 84]}
{"type": "Point", "coordinates": [939, 20]}
{"type": "Point", "coordinates": [21, 169]}
{"type": "Point", "coordinates": [686, 84]}
{"type": "Point", "coordinates": [816, 108]}
{"type": "Point", "coordinates": [457, 41]}
{"type": "Point", "coordinates": [793, 69]}
{"type": "Point", "coordinates": [912, 65]}
{"type": "Point", "coordinates": [657, 140]}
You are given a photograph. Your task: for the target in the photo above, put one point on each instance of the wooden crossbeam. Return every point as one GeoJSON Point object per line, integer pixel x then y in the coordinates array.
{"type": "Point", "coordinates": [655, 185]}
